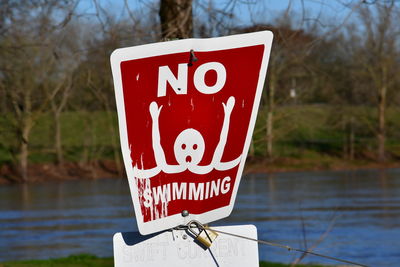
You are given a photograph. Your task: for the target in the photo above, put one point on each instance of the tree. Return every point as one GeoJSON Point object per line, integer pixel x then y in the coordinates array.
{"type": "Point", "coordinates": [176, 19]}
{"type": "Point", "coordinates": [377, 57]}
{"type": "Point", "coordinates": [29, 66]}
{"type": "Point", "coordinates": [288, 56]}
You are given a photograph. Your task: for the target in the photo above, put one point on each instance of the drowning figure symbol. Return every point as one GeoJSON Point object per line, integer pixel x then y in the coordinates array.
{"type": "Point", "coordinates": [189, 148]}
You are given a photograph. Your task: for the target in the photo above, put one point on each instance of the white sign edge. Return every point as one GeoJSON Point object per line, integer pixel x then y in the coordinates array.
{"type": "Point", "coordinates": [179, 46]}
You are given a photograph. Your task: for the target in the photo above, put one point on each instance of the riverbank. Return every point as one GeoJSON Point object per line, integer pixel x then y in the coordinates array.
{"type": "Point", "coordinates": [90, 260]}
{"type": "Point", "coordinates": [45, 172]}
{"type": "Point", "coordinates": [322, 163]}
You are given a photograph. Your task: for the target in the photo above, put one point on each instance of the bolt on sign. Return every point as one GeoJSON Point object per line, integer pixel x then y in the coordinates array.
{"type": "Point", "coordinates": [186, 112]}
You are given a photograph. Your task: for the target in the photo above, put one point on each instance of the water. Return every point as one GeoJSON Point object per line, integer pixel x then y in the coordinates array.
{"type": "Point", "coordinates": [353, 215]}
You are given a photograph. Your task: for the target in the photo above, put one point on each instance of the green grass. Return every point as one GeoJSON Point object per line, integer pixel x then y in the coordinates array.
{"type": "Point", "coordinates": [323, 129]}
{"type": "Point", "coordinates": [90, 260]}
{"type": "Point", "coordinates": [71, 261]}
{"type": "Point", "coordinates": [84, 135]}
{"type": "Point", "coordinates": [78, 128]}
{"type": "Point", "coordinates": [274, 264]}
{"type": "Point", "coordinates": [300, 132]}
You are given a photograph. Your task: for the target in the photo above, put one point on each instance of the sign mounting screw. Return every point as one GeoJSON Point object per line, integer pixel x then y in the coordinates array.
{"type": "Point", "coordinates": [185, 213]}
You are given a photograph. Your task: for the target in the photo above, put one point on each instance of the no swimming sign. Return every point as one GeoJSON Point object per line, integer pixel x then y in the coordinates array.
{"type": "Point", "coordinates": [186, 112]}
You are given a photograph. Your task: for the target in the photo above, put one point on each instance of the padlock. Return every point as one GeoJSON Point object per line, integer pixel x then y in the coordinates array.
{"type": "Point", "coordinates": [205, 237]}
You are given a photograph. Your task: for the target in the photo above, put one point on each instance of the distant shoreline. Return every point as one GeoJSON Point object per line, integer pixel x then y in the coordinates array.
{"type": "Point", "coordinates": [322, 164]}
{"type": "Point", "coordinates": [46, 172]}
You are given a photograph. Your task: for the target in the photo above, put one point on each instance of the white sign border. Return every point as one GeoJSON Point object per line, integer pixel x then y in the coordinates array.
{"type": "Point", "coordinates": [179, 46]}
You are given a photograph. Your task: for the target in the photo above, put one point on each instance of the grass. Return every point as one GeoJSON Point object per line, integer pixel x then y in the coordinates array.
{"type": "Point", "coordinates": [90, 260]}
{"type": "Point", "coordinates": [71, 261]}
{"type": "Point", "coordinates": [324, 129]}
{"type": "Point", "coordinates": [275, 264]}
{"type": "Point", "coordinates": [84, 135]}
{"type": "Point", "coordinates": [305, 132]}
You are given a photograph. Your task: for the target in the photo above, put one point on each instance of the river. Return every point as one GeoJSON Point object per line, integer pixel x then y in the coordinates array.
{"type": "Point", "coordinates": [354, 215]}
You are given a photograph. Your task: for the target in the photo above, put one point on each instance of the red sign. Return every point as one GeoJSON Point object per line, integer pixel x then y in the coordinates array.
{"type": "Point", "coordinates": [186, 112]}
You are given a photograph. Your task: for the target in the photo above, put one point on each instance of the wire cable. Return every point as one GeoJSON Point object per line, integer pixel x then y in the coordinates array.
{"type": "Point", "coordinates": [284, 246]}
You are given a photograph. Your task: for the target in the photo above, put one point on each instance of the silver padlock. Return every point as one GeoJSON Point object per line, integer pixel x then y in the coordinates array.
{"type": "Point", "coordinates": [205, 237]}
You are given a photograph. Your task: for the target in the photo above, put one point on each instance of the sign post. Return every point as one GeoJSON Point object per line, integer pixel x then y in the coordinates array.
{"type": "Point", "coordinates": [186, 112]}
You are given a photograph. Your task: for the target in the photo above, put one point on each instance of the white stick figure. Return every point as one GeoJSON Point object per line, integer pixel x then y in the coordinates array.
{"type": "Point", "coordinates": [189, 148]}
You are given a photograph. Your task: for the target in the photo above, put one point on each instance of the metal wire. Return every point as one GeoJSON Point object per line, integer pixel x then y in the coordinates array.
{"type": "Point", "coordinates": [285, 247]}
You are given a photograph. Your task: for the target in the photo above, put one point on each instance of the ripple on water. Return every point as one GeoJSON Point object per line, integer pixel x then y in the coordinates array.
{"type": "Point", "coordinates": [359, 209]}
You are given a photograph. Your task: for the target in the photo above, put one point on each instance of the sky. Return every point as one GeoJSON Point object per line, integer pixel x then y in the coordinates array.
{"type": "Point", "coordinates": [246, 12]}
{"type": "Point", "coordinates": [251, 10]}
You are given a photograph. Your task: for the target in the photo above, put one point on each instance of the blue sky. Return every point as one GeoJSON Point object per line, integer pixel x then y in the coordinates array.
{"type": "Point", "coordinates": [253, 9]}
{"type": "Point", "coordinates": [246, 12]}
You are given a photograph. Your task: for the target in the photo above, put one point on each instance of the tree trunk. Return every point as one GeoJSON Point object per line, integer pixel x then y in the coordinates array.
{"type": "Point", "coordinates": [252, 150]}
{"type": "Point", "coordinates": [114, 143]}
{"type": "Point", "coordinates": [270, 116]}
{"type": "Point", "coordinates": [381, 134]}
{"type": "Point", "coordinates": [176, 19]}
{"type": "Point", "coordinates": [57, 139]}
{"type": "Point", "coordinates": [24, 149]}
{"type": "Point", "coordinates": [57, 109]}
{"type": "Point", "coordinates": [349, 140]}
{"type": "Point", "coordinates": [352, 139]}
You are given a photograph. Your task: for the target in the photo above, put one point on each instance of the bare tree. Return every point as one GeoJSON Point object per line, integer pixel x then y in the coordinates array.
{"type": "Point", "coordinates": [29, 66]}
{"type": "Point", "coordinates": [287, 62]}
{"type": "Point", "coordinates": [57, 104]}
{"type": "Point", "coordinates": [176, 19]}
{"type": "Point", "coordinates": [377, 56]}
